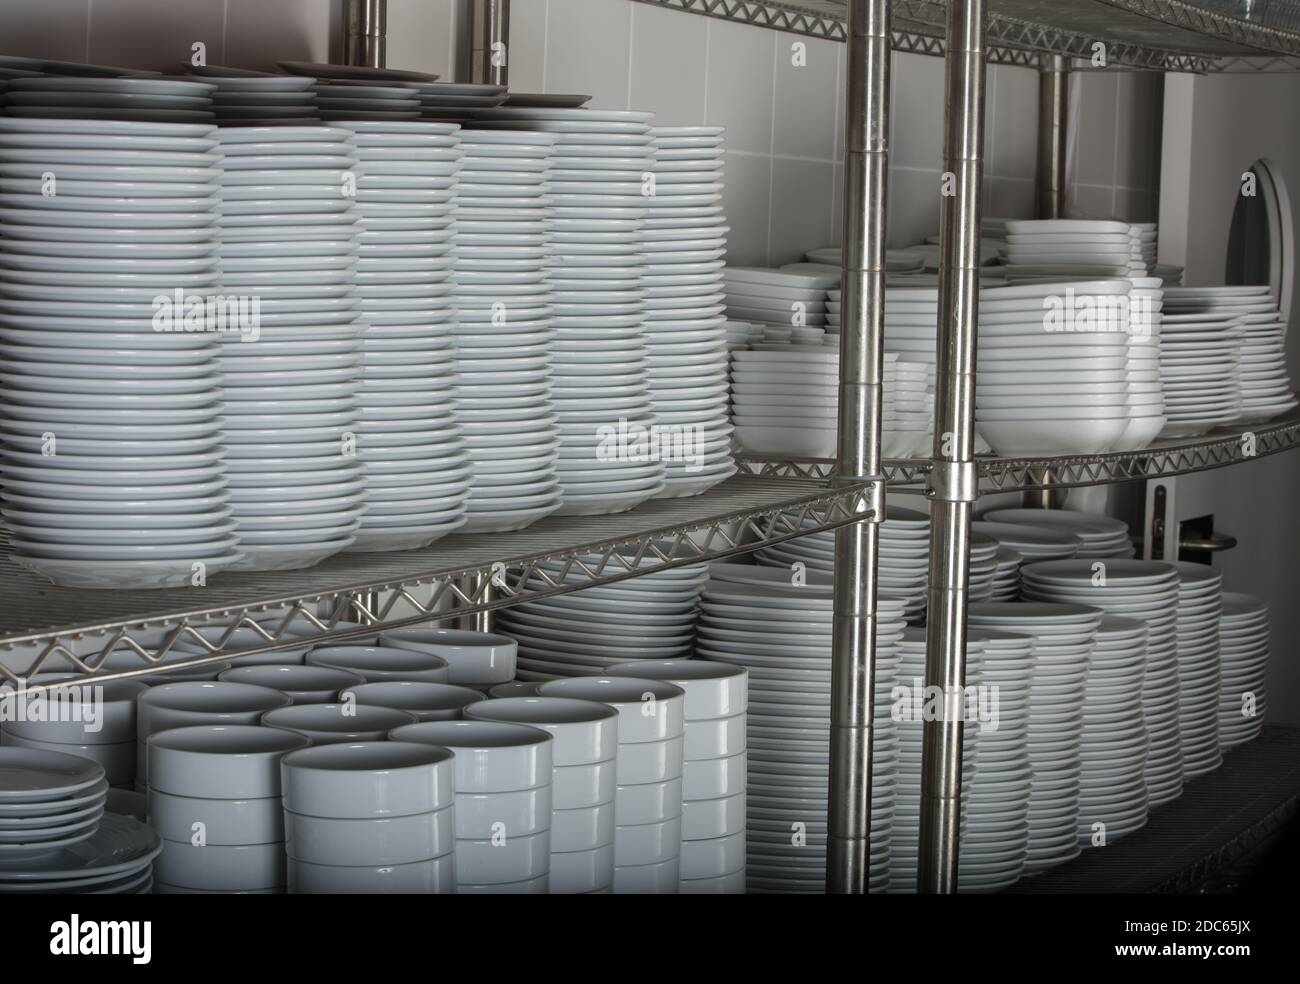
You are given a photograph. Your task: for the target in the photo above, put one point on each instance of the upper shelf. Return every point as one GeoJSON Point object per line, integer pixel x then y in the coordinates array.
{"type": "Point", "coordinates": [1163, 35]}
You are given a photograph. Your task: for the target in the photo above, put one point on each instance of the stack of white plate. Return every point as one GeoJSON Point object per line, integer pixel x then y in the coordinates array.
{"type": "Point", "coordinates": [1265, 383]}
{"type": "Point", "coordinates": [1243, 653]}
{"type": "Point", "coordinates": [110, 455]}
{"type": "Point", "coordinates": [1200, 605]}
{"type": "Point", "coordinates": [904, 553]}
{"type": "Point", "coordinates": [741, 334]}
{"type": "Point", "coordinates": [996, 841]}
{"type": "Point", "coordinates": [246, 98]}
{"type": "Point", "coordinates": [364, 99]}
{"type": "Point", "coordinates": [1148, 591]}
{"type": "Point", "coordinates": [583, 783]}
{"type": "Point", "coordinates": [784, 400]}
{"type": "Point", "coordinates": [586, 632]}
{"type": "Point", "coordinates": [713, 771]}
{"type": "Point", "coordinates": [683, 242]}
{"type": "Point", "coordinates": [1067, 248]}
{"type": "Point", "coordinates": [57, 836]}
{"type": "Point", "coordinates": [1143, 246]}
{"type": "Point", "coordinates": [1064, 637]}
{"type": "Point", "coordinates": [214, 797]}
{"type": "Point", "coordinates": [907, 688]}
{"type": "Point", "coordinates": [1034, 542]}
{"type": "Point", "coordinates": [983, 566]}
{"type": "Point", "coordinates": [754, 617]}
{"type": "Point", "coordinates": [609, 454]}
{"type": "Point", "coordinates": [503, 803]}
{"type": "Point", "coordinates": [410, 434]}
{"type": "Point", "coordinates": [287, 237]}
{"type": "Point", "coordinates": [1113, 749]}
{"type": "Point", "coordinates": [370, 818]}
{"type": "Point", "coordinates": [648, 801]}
{"type": "Point", "coordinates": [1200, 370]}
{"type": "Point", "coordinates": [143, 100]}
{"type": "Point", "coordinates": [1170, 274]}
{"type": "Point", "coordinates": [555, 100]}
{"type": "Point", "coordinates": [1006, 577]}
{"type": "Point", "coordinates": [455, 101]}
{"type": "Point", "coordinates": [92, 721]}
{"type": "Point", "coordinates": [777, 297]}
{"type": "Point", "coordinates": [503, 302]}
{"type": "Point", "coordinates": [1096, 535]}
{"type": "Point", "coordinates": [1061, 370]}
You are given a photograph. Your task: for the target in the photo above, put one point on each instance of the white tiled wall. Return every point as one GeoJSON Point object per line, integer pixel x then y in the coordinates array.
{"type": "Point", "coordinates": [778, 95]}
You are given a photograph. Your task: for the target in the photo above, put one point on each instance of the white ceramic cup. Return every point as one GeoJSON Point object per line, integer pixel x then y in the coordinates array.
{"type": "Point", "coordinates": [219, 761]}
{"type": "Point", "coordinates": [649, 710]}
{"type": "Point", "coordinates": [357, 780]}
{"type": "Point", "coordinates": [331, 723]}
{"type": "Point", "coordinates": [713, 690]}
{"type": "Point", "coordinates": [583, 732]}
{"type": "Point", "coordinates": [474, 657]}
{"type": "Point", "coordinates": [491, 756]}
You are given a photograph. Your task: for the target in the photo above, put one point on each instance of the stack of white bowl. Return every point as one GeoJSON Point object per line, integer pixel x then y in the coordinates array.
{"type": "Point", "coordinates": [754, 617]}
{"type": "Point", "coordinates": [112, 476]}
{"type": "Point", "coordinates": [1243, 653]}
{"type": "Point", "coordinates": [301, 684]}
{"type": "Point", "coordinates": [93, 721]}
{"type": "Point", "coordinates": [1006, 578]}
{"type": "Point", "coordinates": [504, 336]}
{"type": "Point", "coordinates": [583, 784]}
{"type": "Point", "coordinates": [370, 818]}
{"type": "Point", "coordinates": [1200, 606]}
{"type": "Point", "coordinates": [713, 773]}
{"type": "Point", "coordinates": [682, 243]}
{"type": "Point", "coordinates": [410, 435]}
{"type": "Point", "coordinates": [474, 659]}
{"type": "Point", "coordinates": [1200, 369]}
{"type": "Point", "coordinates": [337, 723]}
{"type": "Point", "coordinates": [381, 664]}
{"type": "Point", "coordinates": [1031, 541]}
{"type": "Point", "coordinates": [1148, 591]}
{"type": "Point", "coordinates": [584, 633]}
{"type": "Point", "coordinates": [1064, 636]}
{"type": "Point", "coordinates": [1113, 750]}
{"type": "Point", "coordinates": [784, 400]}
{"type": "Point", "coordinates": [214, 797]}
{"type": "Point", "coordinates": [143, 99]}
{"type": "Point", "coordinates": [196, 702]}
{"type": "Point", "coordinates": [287, 236]}
{"type": "Point", "coordinates": [1096, 535]}
{"type": "Point", "coordinates": [503, 803]}
{"type": "Point", "coordinates": [246, 98]}
{"type": "Point", "coordinates": [648, 800]}
{"type": "Point", "coordinates": [608, 461]}
{"type": "Point", "coordinates": [1059, 249]}
{"type": "Point", "coordinates": [426, 701]}
{"type": "Point", "coordinates": [778, 297]}
{"type": "Point", "coordinates": [365, 99]}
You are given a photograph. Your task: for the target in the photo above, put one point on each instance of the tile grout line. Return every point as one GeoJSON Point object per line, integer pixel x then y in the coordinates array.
{"type": "Point", "coordinates": [546, 39]}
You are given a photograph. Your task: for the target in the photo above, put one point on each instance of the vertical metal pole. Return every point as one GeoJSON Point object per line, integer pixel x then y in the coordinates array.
{"type": "Point", "coordinates": [490, 42]}
{"type": "Point", "coordinates": [848, 854]}
{"type": "Point", "coordinates": [953, 482]}
{"type": "Point", "coordinates": [1053, 123]}
{"type": "Point", "coordinates": [365, 25]}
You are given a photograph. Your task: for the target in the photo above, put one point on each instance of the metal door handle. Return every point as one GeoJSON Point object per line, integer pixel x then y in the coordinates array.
{"type": "Point", "coordinates": [1214, 543]}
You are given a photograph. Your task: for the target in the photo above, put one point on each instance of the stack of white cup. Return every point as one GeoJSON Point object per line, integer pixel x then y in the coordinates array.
{"type": "Point", "coordinates": [648, 803]}
{"type": "Point", "coordinates": [370, 818]}
{"type": "Point", "coordinates": [583, 780]}
{"type": "Point", "coordinates": [713, 808]}
{"type": "Point", "coordinates": [503, 803]}
{"type": "Point", "coordinates": [214, 798]}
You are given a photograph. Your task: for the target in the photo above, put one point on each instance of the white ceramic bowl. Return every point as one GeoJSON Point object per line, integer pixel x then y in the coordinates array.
{"type": "Point", "coordinates": [648, 879]}
{"type": "Point", "coordinates": [577, 872]}
{"type": "Point", "coordinates": [473, 657]}
{"type": "Point", "coordinates": [489, 862]}
{"type": "Point", "coordinates": [331, 723]}
{"type": "Point", "coordinates": [358, 780]}
{"type": "Point", "coordinates": [583, 732]}
{"type": "Point", "coordinates": [481, 816]}
{"type": "Point", "coordinates": [650, 761]}
{"type": "Point", "coordinates": [705, 819]}
{"type": "Point", "coordinates": [427, 701]}
{"type": "Point", "coordinates": [540, 885]}
{"type": "Point", "coordinates": [434, 877]}
{"type": "Point", "coordinates": [648, 843]}
{"type": "Point", "coordinates": [302, 684]}
{"type": "Point", "coordinates": [715, 737]}
{"type": "Point", "coordinates": [224, 821]}
{"type": "Point", "coordinates": [712, 857]}
{"type": "Point", "coordinates": [225, 868]}
{"type": "Point", "coordinates": [120, 759]}
{"type": "Point", "coordinates": [381, 663]}
{"type": "Point", "coordinates": [221, 761]}
{"type": "Point", "coordinates": [649, 710]}
{"type": "Point", "coordinates": [491, 756]}
{"type": "Point", "coordinates": [381, 840]}
{"type": "Point", "coordinates": [581, 786]}
{"type": "Point", "coordinates": [181, 705]}
{"type": "Point", "coordinates": [713, 690]}
{"type": "Point", "coordinates": [86, 713]}
{"type": "Point", "coordinates": [650, 802]}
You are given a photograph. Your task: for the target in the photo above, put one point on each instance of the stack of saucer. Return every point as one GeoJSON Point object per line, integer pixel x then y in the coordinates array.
{"type": "Point", "coordinates": [363, 99]}
{"type": "Point", "coordinates": [1064, 249]}
{"type": "Point", "coordinates": [1032, 542]}
{"type": "Point", "coordinates": [1006, 577]}
{"type": "Point", "coordinates": [1200, 605]}
{"type": "Point", "coordinates": [1096, 535]}
{"type": "Point", "coordinates": [1200, 369]}
{"type": "Point", "coordinates": [1143, 246]}
{"type": "Point", "coordinates": [1243, 649]}
{"type": "Point", "coordinates": [246, 98]}
{"type": "Point", "coordinates": [777, 297]}
{"type": "Point", "coordinates": [455, 102]}
{"type": "Point", "coordinates": [142, 100]}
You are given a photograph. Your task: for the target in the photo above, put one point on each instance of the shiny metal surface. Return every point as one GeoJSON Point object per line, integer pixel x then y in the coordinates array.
{"type": "Point", "coordinates": [365, 27]}
{"type": "Point", "coordinates": [1053, 123]}
{"type": "Point", "coordinates": [490, 42]}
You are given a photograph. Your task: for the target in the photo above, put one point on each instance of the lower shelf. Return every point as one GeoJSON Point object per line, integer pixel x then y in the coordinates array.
{"type": "Point", "coordinates": [1196, 843]}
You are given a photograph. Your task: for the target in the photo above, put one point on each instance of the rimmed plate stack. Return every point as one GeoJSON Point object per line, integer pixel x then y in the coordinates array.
{"type": "Point", "coordinates": [1243, 653]}
{"type": "Point", "coordinates": [504, 335]}
{"type": "Point", "coordinates": [1113, 749]}
{"type": "Point", "coordinates": [55, 836]}
{"type": "Point", "coordinates": [1148, 591]}
{"type": "Point", "coordinates": [113, 478]}
{"type": "Point", "coordinates": [411, 436]}
{"type": "Point", "coordinates": [1096, 535]}
{"type": "Point", "coordinates": [683, 243]}
{"type": "Point", "coordinates": [291, 372]}
{"type": "Point", "coordinates": [455, 102]}
{"type": "Point", "coordinates": [1200, 607]}
{"type": "Point", "coordinates": [1006, 576]}
{"type": "Point", "coordinates": [1200, 369]}
{"type": "Point", "coordinates": [1064, 637]}
{"type": "Point", "coordinates": [610, 458]}
{"type": "Point", "coordinates": [246, 98]}
{"type": "Point", "coordinates": [762, 294]}
{"type": "Point", "coordinates": [1033, 542]}
{"type": "Point", "coordinates": [784, 400]}
{"type": "Point", "coordinates": [144, 99]}
{"type": "Point", "coordinates": [364, 99]}
{"type": "Point", "coordinates": [1058, 249]}
{"type": "Point", "coordinates": [754, 617]}
{"type": "Point", "coordinates": [1143, 246]}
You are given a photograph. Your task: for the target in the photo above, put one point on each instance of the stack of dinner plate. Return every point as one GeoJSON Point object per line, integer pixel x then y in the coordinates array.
{"type": "Point", "coordinates": [504, 336]}
{"type": "Point", "coordinates": [1113, 749]}
{"type": "Point", "coordinates": [1143, 246]}
{"type": "Point", "coordinates": [1034, 542]}
{"type": "Point", "coordinates": [1148, 591]}
{"type": "Point", "coordinates": [1096, 535]}
{"type": "Point", "coordinates": [1059, 249]}
{"type": "Point", "coordinates": [110, 452]}
{"type": "Point", "coordinates": [683, 242]}
{"type": "Point", "coordinates": [143, 100]}
{"type": "Point", "coordinates": [1200, 606]}
{"type": "Point", "coordinates": [290, 382]}
{"type": "Point", "coordinates": [1243, 653]}
{"type": "Point", "coordinates": [777, 296]}
{"type": "Point", "coordinates": [1200, 369]}
{"type": "Point", "coordinates": [455, 102]}
{"type": "Point", "coordinates": [585, 632]}
{"type": "Point", "coordinates": [983, 566]}
{"type": "Point", "coordinates": [246, 98]}
{"type": "Point", "coordinates": [609, 455]}
{"type": "Point", "coordinates": [1170, 274]}
{"type": "Point", "coordinates": [1006, 577]}
{"type": "Point", "coordinates": [364, 99]}
{"type": "Point", "coordinates": [417, 471]}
